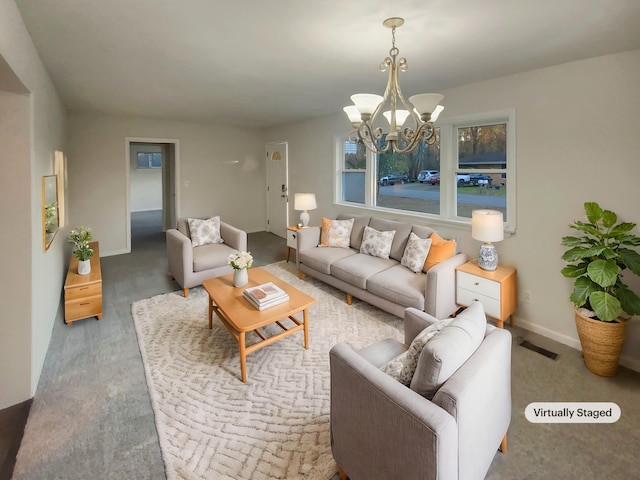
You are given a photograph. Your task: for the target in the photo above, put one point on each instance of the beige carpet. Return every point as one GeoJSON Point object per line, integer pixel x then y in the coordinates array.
{"type": "Point", "coordinates": [213, 426]}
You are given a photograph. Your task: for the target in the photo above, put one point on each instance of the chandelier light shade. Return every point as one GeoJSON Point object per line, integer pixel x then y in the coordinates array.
{"type": "Point", "coordinates": [487, 226]}
{"type": "Point", "coordinates": [423, 109]}
{"type": "Point", "coordinates": [304, 202]}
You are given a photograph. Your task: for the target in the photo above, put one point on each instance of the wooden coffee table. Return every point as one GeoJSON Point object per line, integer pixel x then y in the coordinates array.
{"type": "Point", "coordinates": [240, 317]}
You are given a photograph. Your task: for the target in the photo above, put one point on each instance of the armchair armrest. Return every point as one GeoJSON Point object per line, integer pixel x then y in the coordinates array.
{"type": "Point", "coordinates": [234, 237]}
{"type": "Point", "coordinates": [179, 255]}
{"type": "Point", "coordinates": [440, 287]}
{"type": "Point", "coordinates": [414, 322]}
{"type": "Point", "coordinates": [382, 429]}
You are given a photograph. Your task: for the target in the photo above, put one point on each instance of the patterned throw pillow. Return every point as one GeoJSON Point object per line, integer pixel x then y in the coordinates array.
{"type": "Point", "coordinates": [336, 233]}
{"type": "Point", "coordinates": [375, 243]}
{"type": "Point", "coordinates": [415, 253]}
{"type": "Point", "coordinates": [440, 251]}
{"type": "Point", "coordinates": [204, 232]}
{"type": "Point", "coordinates": [404, 365]}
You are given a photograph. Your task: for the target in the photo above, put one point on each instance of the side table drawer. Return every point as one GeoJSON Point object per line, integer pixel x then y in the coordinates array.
{"type": "Point", "coordinates": [83, 308]}
{"type": "Point", "coordinates": [482, 286]}
{"type": "Point", "coordinates": [491, 305]}
{"type": "Point", "coordinates": [83, 291]}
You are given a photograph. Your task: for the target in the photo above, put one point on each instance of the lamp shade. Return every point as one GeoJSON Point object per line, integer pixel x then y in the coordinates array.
{"type": "Point", "coordinates": [401, 116]}
{"type": "Point", "coordinates": [426, 102]}
{"type": "Point", "coordinates": [354, 115]}
{"type": "Point", "coordinates": [487, 225]}
{"type": "Point", "coordinates": [304, 201]}
{"type": "Point", "coordinates": [366, 102]}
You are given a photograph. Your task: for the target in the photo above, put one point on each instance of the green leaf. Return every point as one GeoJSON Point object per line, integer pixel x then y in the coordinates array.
{"type": "Point", "coordinates": [603, 272]}
{"type": "Point", "coordinates": [574, 254]}
{"type": "Point", "coordinates": [609, 218]}
{"type": "Point", "coordinates": [573, 271]}
{"type": "Point", "coordinates": [606, 306]}
{"type": "Point", "coordinates": [622, 228]}
{"type": "Point", "coordinates": [582, 289]}
{"type": "Point", "coordinates": [572, 241]}
{"type": "Point", "coordinates": [629, 301]}
{"type": "Point", "coordinates": [593, 211]}
{"type": "Point", "coordinates": [631, 259]}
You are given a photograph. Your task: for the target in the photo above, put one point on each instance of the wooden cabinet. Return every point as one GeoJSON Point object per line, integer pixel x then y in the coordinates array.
{"type": "Point", "coordinates": [83, 293]}
{"type": "Point", "coordinates": [496, 290]}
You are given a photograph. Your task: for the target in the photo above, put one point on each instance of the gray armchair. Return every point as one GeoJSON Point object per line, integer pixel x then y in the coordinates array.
{"type": "Point", "coordinates": [383, 429]}
{"type": "Point", "coordinates": [190, 266]}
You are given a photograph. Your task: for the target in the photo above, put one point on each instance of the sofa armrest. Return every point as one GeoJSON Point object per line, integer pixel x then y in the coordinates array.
{"type": "Point", "coordinates": [179, 255]}
{"type": "Point", "coordinates": [382, 429]}
{"type": "Point", "coordinates": [306, 238]}
{"type": "Point", "coordinates": [415, 321]}
{"type": "Point", "coordinates": [234, 237]}
{"type": "Point", "coordinates": [440, 287]}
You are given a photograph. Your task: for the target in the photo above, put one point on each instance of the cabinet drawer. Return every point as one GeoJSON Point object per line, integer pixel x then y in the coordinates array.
{"type": "Point", "coordinates": [83, 308]}
{"type": "Point", "coordinates": [292, 239]}
{"type": "Point", "coordinates": [82, 291]}
{"type": "Point", "coordinates": [491, 305]}
{"type": "Point", "coordinates": [482, 286]}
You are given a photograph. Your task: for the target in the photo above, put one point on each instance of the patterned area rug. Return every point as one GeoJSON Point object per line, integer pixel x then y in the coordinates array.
{"type": "Point", "coordinates": [213, 426]}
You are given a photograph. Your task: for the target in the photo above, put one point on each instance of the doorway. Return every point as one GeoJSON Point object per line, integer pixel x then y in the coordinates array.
{"type": "Point", "coordinates": [278, 188]}
{"type": "Point", "coordinates": [152, 182]}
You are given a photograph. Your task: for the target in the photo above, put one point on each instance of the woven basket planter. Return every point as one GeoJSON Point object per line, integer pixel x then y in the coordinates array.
{"type": "Point", "coordinates": [601, 343]}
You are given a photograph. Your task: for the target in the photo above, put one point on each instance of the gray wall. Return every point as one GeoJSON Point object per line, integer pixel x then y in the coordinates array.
{"type": "Point", "coordinates": [576, 142]}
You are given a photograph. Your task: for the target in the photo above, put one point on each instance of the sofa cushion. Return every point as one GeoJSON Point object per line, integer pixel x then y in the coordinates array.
{"type": "Point", "coordinates": [205, 232]}
{"type": "Point", "coordinates": [212, 255]}
{"type": "Point", "coordinates": [440, 251]}
{"type": "Point", "coordinates": [359, 222]}
{"type": "Point", "coordinates": [375, 243]}
{"type": "Point", "coordinates": [356, 269]}
{"type": "Point", "coordinates": [449, 350]}
{"type": "Point", "coordinates": [404, 365]}
{"type": "Point", "coordinates": [322, 258]}
{"type": "Point", "coordinates": [336, 233]}
{"type": "Point", "coordinates": [415, 253]}
{"type": "Point", "coordinates": [399, 285]}
{"type": "Point", "coordinates": [399, 240]}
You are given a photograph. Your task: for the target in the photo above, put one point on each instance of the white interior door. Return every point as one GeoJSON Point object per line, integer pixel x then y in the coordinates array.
{"type": "Point", "coordinates": [277, 188]}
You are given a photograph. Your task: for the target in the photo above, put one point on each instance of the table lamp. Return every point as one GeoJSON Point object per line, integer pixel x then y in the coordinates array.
{"type": "Point", "coordinates": [304, 202]}
{"type": "Point", "coordinates": [487, 226]}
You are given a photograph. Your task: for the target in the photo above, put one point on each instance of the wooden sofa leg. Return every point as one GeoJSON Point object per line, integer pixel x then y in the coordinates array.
{"type": "Point", "coordinates": [186, 292]}
{"type": "Point", "coordinates": [503, 445]}
{"type": "Point", "coordinates": [342, 474]}
{"type": "Point", "coordinates": [300, 274]}
{"type": "Point", "coordinates": [349, 299]}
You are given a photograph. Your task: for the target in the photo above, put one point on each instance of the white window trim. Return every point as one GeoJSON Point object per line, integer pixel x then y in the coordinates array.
{"type": "Point", "coordinates": [448, 169]}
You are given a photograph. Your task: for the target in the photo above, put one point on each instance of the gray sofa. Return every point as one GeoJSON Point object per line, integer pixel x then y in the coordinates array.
{"type": "Point", "coordinates": [190, 266]}
{"type": "Point", "coordinates": [384, 283]}
{"type": "Point", "coordinates": [452, 434]}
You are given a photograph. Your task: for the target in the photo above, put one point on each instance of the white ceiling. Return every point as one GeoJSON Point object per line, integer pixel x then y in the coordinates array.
{"type": "Point", "coordinates": [269, 62]}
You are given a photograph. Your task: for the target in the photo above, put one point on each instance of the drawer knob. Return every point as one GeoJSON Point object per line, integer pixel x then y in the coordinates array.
{"type": "Point", "coordinates": [477, 283]}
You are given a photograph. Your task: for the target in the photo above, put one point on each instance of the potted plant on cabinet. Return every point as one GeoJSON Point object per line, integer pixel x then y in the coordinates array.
{"type": "Point", "coordinates": [80, 238]}
{"type": "Point", "coordinates": [597, 259]}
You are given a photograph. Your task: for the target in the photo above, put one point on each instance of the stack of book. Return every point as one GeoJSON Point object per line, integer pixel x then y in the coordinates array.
{"type": "Point", "coordinates": [265, 295]}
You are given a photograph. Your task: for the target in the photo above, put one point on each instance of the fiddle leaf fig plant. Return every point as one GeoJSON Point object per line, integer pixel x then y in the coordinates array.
{"type": "Point", "coordinates": [597, 259]}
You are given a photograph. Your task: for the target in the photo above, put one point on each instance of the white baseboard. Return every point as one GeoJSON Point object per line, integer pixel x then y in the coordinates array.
{"type": "Point", "coordinates": [573, 342]}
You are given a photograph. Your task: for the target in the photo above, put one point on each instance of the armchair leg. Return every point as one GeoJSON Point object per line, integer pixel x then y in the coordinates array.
{"type": "Point", "coordinates": [342, 474]}
{"type": "Point", "coordinates": [503, 445]}
{"type": "Point", "coordinates": [185, 291]}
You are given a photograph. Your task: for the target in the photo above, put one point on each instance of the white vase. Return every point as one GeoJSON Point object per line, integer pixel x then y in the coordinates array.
{"type": "Point", "coordinates": [84, 267]}
{"type": "Point", "coordinates": [240, 277]}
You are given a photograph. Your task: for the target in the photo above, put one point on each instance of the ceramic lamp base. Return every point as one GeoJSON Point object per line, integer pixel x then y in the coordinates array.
{"type": "Point", "coordinates": [304, 218]}
{"type": "Point", "coordinates": [488, 257]}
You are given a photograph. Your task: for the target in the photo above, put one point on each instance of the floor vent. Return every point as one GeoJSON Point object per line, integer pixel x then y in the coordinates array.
{"type": "Point", "coordinates": [540, 350]}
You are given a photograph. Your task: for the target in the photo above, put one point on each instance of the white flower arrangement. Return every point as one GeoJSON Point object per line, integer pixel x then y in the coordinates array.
{"type": "Point", "coordinates": [81, 237]}
{"type": "Point", "coordinates": [241, 260]}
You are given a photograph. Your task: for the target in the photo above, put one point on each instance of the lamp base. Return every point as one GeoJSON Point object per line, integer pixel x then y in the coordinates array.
{"type": "Point", "coordinates": [488, 257]}
{"type": "Point", "coordinates": [304, 218]}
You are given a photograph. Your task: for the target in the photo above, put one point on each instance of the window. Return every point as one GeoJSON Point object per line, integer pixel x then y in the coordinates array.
{"type": "Point", "coordinates": [149, 160]}
{"type": "Point", "coordinates": [470, 166]}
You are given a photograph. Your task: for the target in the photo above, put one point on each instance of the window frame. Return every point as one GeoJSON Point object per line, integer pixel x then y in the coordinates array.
{"type": "Point", "coordinates": [150, 165]}
{"type": "Point", "coordinates": [448, 170]}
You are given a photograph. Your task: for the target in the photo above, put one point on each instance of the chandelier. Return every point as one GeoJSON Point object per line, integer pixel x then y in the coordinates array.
{"type": "Point", "coordinates": [423, 109]}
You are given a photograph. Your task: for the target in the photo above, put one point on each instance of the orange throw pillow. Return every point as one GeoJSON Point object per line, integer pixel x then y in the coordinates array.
{"type": "Point", "coordinates": [440, 250]}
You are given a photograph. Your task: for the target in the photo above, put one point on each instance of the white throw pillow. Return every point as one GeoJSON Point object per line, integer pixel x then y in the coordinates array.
{"type": "Point", "coordinates": [204, 232]}
{"type": "Point", "coordinates": [404, 365]}
{"type": "Point", "coordinates": [375, 243]}
{"type": "Point", "coordinates": [415, 253]}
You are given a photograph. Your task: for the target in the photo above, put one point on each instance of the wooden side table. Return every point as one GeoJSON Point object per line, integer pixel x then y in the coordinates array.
{"type": "Point", "coordinates": [496, 290]}
{"type": "Point", "coordinates": [292, 238]}
{"type": "Point", "coordinates": [83, 293]}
